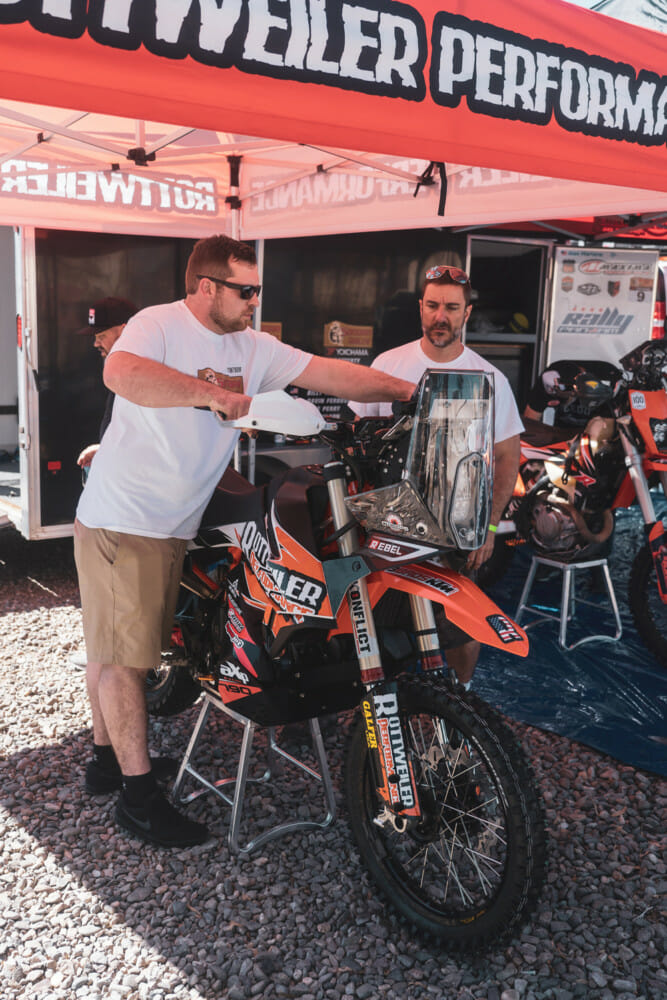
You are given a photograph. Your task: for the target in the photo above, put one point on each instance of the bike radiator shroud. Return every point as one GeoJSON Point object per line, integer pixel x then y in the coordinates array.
{"type": "Point", "coordinates": [280, 667]}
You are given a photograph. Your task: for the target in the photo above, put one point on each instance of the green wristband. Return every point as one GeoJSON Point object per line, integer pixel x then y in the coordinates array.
{"type": "Point", "coordinates": [493, 528]}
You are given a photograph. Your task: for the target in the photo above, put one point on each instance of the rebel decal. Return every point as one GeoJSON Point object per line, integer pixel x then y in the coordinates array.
{"type": "Point", "coordinates": [395, 550]}
{"type": "Point", "coordinates": [507, 75]}
{"type": "Point", "coordinates": [505, 629]}
{"type": "Point", "coordinates": [294, 593]}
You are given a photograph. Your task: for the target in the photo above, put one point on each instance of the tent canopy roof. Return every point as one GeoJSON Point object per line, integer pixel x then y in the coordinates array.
{"type": "Point", "coordinates": [354, 101]}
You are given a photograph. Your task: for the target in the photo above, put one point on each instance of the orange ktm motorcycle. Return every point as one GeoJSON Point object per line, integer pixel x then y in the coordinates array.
{"type": "Point", "coordinates": [568, 487]}
{"type": "Point", "coordinates": [283, 619]}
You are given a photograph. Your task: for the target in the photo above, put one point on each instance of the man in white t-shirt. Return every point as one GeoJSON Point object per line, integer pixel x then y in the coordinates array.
{"type": "Point", "coordinates": [174, 369]}
{"type": "Point", "coordinates": [444, 309]}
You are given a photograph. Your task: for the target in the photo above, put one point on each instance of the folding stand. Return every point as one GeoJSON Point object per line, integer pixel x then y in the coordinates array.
{"type": "Point", "coordinates": [235, 800]}
{"type": "Point", "coordinates": [568, 599]}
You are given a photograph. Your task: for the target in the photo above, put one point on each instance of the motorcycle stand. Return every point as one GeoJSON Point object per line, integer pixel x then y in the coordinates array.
{"type": "Point", "coordinates": [213, 701]}
{"type": "Point", "coordinates": [569, 600]}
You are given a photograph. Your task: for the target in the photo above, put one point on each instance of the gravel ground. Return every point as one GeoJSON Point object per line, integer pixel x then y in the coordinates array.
{"type": "Point", "coordinates": [87, 913]}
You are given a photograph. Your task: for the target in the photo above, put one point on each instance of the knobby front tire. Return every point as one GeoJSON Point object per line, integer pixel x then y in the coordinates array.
{"type": "Point", "coordinates": [472, 871]}
{"type": "Point", "coordinates": [648, 611]}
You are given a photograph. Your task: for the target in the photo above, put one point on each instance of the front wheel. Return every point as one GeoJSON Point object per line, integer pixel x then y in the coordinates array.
{"type": "Point", "coordinates": [648, 611]}
{"type": "Point", "coordinates": [471, 871]}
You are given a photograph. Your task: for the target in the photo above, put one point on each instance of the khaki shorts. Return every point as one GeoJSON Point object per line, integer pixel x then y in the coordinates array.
{"type": "Point", "coordinates": [129, 589]}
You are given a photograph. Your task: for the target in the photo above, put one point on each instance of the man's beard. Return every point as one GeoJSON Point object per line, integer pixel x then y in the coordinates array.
{"type": "Point", "coordinates": [441, 337]}
{"type": "Point", "coordinates": [224, 325]}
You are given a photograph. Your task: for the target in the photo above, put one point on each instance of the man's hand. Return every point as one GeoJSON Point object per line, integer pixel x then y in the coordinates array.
{"type": "Point", "coordinates": [87, 455]}
{"type": "Point", "coordinates": [230, 405]}
{"type": "Point", "coordinates": [479, 556]}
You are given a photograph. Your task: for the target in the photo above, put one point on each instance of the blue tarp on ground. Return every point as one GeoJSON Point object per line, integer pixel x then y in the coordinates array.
{"type": "Point", "coordinates": [608, 695]}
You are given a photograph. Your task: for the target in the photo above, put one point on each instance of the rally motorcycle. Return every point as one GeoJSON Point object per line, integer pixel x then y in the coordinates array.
{"type": "Point", "coordinates": [284, 619]}
{"type": "Point", "coordinates": [568, 486]}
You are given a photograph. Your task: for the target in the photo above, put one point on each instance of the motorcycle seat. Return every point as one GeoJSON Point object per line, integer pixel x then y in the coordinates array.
{"type": "Point", "coordinates": [234, 499]}
{"type": "Point", "coordinates": [540, 435]}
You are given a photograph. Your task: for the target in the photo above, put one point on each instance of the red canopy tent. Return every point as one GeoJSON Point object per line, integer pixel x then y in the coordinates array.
{"type": "Point", "coordinates": [549, 93]}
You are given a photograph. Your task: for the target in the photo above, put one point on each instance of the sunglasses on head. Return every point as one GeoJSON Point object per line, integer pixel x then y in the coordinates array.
{"type": "Point", "coordinates": [455, 273]}
{"type": "Point", "coordinates": [245, 291]}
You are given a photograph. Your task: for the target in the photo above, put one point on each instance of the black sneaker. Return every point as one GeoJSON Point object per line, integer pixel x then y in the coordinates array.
{"type": "Point", "coordinates": [103, 781]}
{"type": "Point", "coordinates": [157, 822]}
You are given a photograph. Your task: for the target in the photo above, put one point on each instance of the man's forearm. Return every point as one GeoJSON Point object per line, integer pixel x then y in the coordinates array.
{"type": "Point", "coordinates": [505, 471]}
{"type": "Point", "coordinates": [150, 383]}
{"type": "Point", "coordinates": [350, 381]}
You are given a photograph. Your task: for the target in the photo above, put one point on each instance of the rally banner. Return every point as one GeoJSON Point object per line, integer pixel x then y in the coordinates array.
{"type": "Point", "coordinates": [602, 302]}
{"type": "Point", "coordinates": [551, 90]}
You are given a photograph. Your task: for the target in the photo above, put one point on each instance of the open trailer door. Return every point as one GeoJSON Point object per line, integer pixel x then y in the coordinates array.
{"type": "Point", "coordinates": [59, 274]}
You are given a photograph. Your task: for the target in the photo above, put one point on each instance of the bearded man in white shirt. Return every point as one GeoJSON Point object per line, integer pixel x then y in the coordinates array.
{"type": "Point", "coordinates": [444, 308]}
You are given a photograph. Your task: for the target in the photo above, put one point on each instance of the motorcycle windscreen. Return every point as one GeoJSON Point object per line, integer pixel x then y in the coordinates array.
{"type": "Point", "coordinates": [444, 496]}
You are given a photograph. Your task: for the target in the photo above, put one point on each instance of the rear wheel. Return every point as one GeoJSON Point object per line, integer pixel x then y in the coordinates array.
{"type": "Point", "coordinates": [171, 688]}
{"type": "Point", "coordinates": [471, 871]}
{"type": "Point", "coordinates": [648, 611]}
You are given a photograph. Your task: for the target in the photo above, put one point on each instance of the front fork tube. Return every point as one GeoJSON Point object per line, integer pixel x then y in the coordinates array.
{"type": "Point", "coordinates": [426, 633]}
{"type": "Point", "coordinates": [393, 772]}
{"type": "Point", "coordinates": [657, 536]}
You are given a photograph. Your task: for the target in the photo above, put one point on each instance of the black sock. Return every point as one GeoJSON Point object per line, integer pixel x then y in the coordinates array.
{"type": "Point", "coordinates": [104, 757]}
{"type": "Point", "coordinates": [137, 787]}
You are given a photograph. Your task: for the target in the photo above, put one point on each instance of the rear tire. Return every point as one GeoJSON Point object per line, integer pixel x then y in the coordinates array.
{"type": "Point", "coordinates": [648, 611]}
{"type": "Point", "coordinates": [171, 688]}
{"type": "Point", "coordinates": [471, 871]}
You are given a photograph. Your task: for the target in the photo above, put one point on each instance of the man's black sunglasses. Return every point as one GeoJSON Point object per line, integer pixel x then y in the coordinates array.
{"type": "Point", "coordinates": [454, 273]}
{"type": "Point", "coordinates": [245, 291]}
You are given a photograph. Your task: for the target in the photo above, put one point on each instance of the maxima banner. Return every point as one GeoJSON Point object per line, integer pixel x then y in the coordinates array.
{"type": "Point", "coordinates": [547, 89]}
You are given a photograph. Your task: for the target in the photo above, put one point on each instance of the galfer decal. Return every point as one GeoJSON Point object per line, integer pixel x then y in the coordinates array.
{"type": "Point", "coordinates": [392, 747]}
{"type": "Point", "coordinates": [638, 400]}
{"type": "Point", "coordinates": [391, 550]}
{"type": "Point", "coordinates": [293, 593]}
{"type": "Point", "coordinates": [435, 582]}
{"type": "Point", "coordinates": [506, 75]}
{"type": "Point", "coordinates": [504, 628]}
{"type": "Point", "coordinates": [371, 735]}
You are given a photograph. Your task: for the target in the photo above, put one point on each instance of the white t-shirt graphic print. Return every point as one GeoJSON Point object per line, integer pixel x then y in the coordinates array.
{"type": "Point", "coordinates": [156, 468]}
